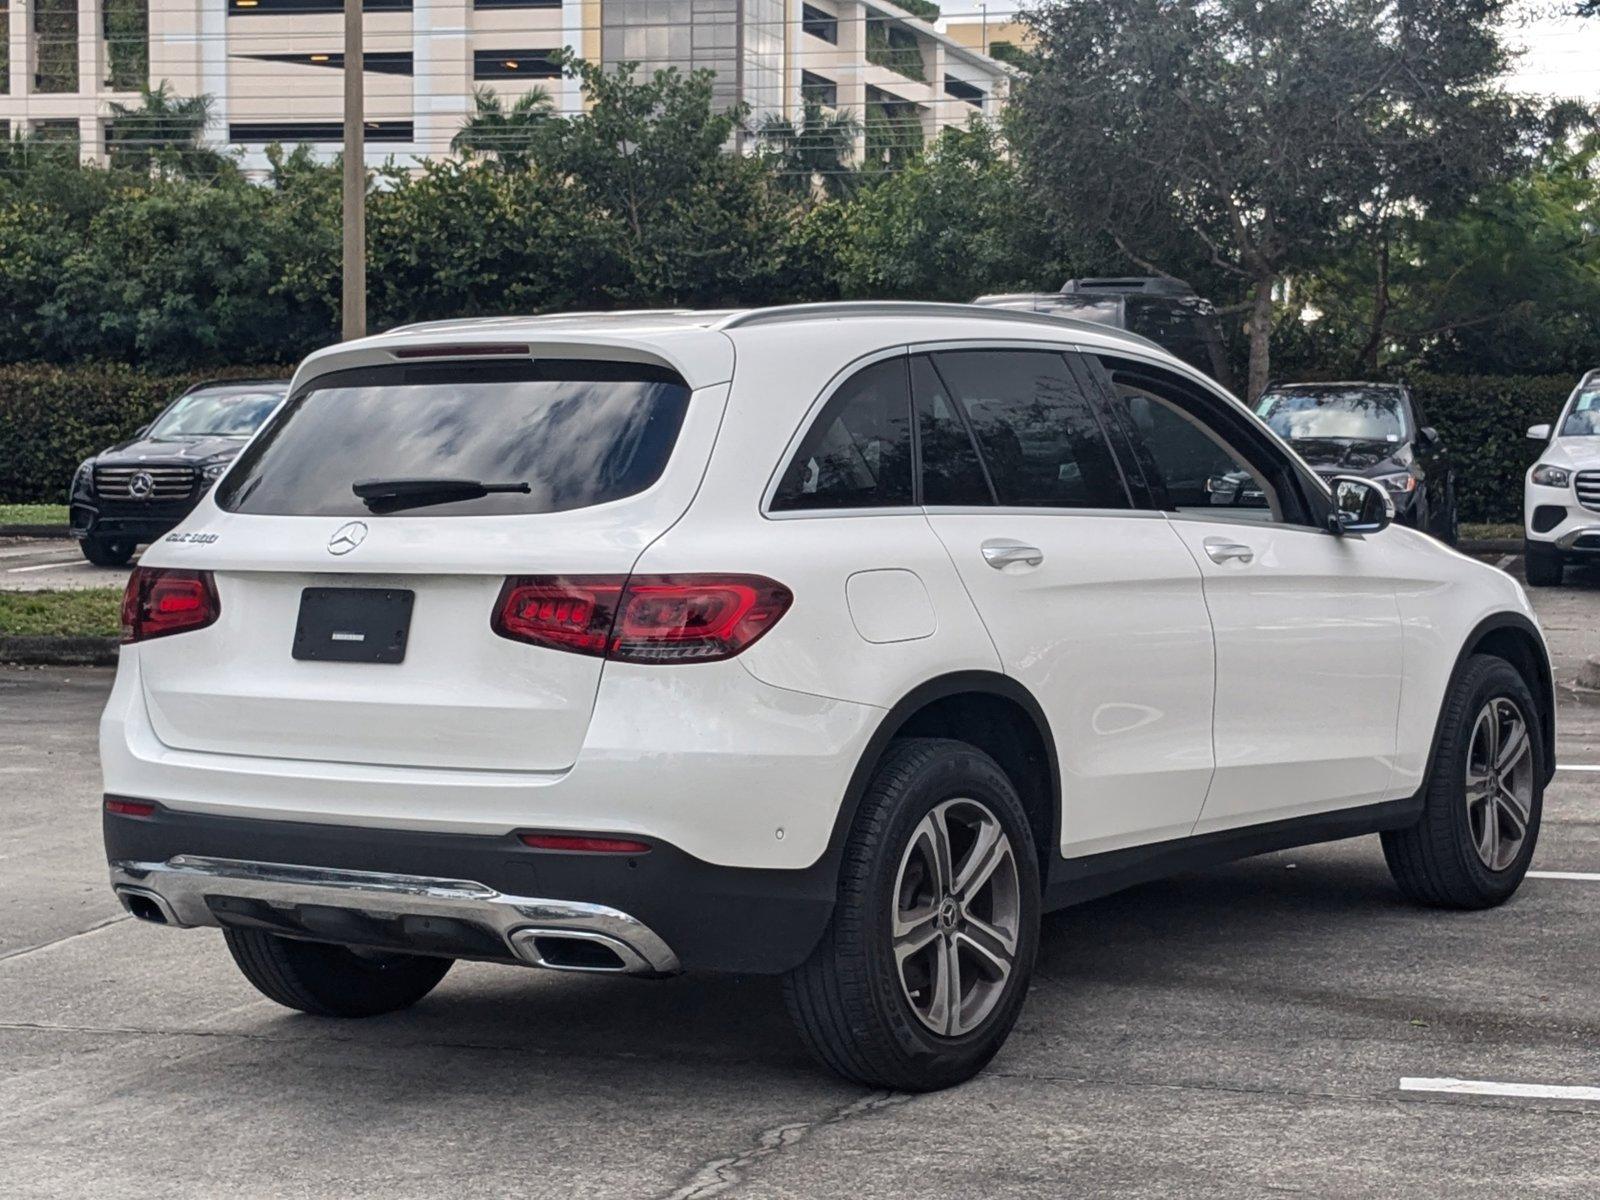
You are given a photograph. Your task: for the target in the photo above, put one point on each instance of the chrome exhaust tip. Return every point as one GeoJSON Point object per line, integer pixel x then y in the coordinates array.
{"type": "Point", "coordinates": [147, 905]}
{"type": "Point", "coordinates": [578, 950]}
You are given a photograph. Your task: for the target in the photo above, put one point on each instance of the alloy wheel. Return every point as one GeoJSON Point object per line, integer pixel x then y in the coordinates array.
{"type": "Point", "coordinates": [1499, 783]}
{"type": "Point", "coordinates": [957, 915]}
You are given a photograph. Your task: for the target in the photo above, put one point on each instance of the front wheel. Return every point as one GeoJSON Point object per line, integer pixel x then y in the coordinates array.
{"type": "Point", "coordinates": [107, 551]}
{"type": "Point", "coordinates": [332, 981]}
{"type": "Point", "coordinates": [1483, 798]}
{"type": "Point", "coordinates": [1541, 565]}
{"type": "Point", "coordinates": [925, 965]}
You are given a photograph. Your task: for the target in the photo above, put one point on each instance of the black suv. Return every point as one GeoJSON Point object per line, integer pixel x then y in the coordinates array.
{"type": "Point", "coordinates": [1167, 311]}
{"type": "Point", "coordinates": [1371, 429]}
{"type": "Point", "coordinates": [137, 490]}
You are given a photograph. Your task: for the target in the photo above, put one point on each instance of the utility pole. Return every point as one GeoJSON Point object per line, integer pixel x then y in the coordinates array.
{"type": "Point", "coordinates": [355, 177]}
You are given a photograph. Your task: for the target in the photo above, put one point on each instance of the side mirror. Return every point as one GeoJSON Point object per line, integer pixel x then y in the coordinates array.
{"type": "Point", "coordinates": [1430, 435]}
{"type": "Point", "coordinates": [1539, 433]}
{"type": "Point", "coordinates": [1359, 506]}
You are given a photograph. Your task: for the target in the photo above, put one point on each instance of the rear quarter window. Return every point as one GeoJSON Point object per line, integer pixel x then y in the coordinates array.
{"type": "Point", "coordinates": [579, 433]}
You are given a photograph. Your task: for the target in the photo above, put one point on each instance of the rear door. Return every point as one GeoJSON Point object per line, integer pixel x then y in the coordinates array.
{"type": "Point", "coordinates": [310, 577]}
{"type": "Point", "coordinates": [1308, 636]}
{"type": "Point", "coordinates": [1095, 607]}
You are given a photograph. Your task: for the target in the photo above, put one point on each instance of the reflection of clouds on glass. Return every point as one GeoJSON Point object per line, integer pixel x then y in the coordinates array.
{"type": "Point", "coordinates": [575, 443]}
{"type": "Point", "coordinates": [1360, 414]}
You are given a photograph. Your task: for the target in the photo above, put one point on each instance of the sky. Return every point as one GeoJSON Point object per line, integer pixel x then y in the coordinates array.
{"type": "Point", "coordinates": [1561, 54]}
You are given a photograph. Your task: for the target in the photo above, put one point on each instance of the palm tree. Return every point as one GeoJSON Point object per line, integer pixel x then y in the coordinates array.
{"type": "Point", "coordinates": [512, 135]}
{"type": "Point", "coordinates": [816, 151]}
{"type": "Point", "coordinates": [163, 131]}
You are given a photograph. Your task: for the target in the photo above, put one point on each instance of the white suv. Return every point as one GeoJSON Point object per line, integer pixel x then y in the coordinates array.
{"type": "Point", "coordinates": [1561, 496]}
{"type": "Point", "coordinates": [836, 641]}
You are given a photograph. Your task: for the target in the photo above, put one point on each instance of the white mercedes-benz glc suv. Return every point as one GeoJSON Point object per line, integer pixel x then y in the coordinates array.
{"type": "Point", "coordinates": [836, 641]}
{"type": "Point", "coordinates": [1561, 495]}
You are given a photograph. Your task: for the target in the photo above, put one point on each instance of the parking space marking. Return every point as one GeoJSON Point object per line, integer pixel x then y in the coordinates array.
{"type": "Point", "coordinates": [1506, 561]}
{"type": "Point", "coordinates": [1485, 1087]}
{"type": "Point", "coordinates": [58, 564]}
{"type": "Point", "coordinates": [1576, 876]}
{"type": "Point", "coordinates": [1577, 767]}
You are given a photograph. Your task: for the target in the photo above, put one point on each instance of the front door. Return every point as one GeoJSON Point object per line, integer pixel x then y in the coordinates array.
{"type": "Point", "coordinates": [1307, 625]}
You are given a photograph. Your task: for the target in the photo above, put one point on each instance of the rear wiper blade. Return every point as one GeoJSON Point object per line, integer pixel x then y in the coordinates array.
{"type": "Point", "coordinates": [387, 495]}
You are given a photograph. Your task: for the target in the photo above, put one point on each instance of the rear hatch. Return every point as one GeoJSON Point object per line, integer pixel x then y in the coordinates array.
{"type": "Point", "coordinates": [318, 587]}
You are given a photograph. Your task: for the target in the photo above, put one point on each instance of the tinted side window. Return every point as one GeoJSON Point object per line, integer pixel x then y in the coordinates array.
{"type": "Point", "coordinates": [1194, 466]}
{"type": "Point", "coordinates": [951, 473]}
{"type": "Point", "coordinates": [857, 453]}
{"type": "Point", "coordinates": [1040, 440]}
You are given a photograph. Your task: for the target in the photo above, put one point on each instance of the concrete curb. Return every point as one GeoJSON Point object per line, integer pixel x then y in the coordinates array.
{"type": "Point", "coordinates": [36, 531]}
{"type": "Point", "coordinates": [46, 651]}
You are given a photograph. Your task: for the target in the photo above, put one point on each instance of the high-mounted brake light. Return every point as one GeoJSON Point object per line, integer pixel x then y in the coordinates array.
{"type": "Point", "coordinates": [641, 618]}
{"type": "Point", "coordinates": [581, 844]}
{"type": "Point", "coordinates": [462, 350]}
{"type": "Point", "coordinates": [160, 601]}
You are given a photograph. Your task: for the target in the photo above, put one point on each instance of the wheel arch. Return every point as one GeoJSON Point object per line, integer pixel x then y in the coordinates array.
{"type": "Point", "coordinates": [1510, 636]}
{"type": "Point", "coordinates": [991, 711]}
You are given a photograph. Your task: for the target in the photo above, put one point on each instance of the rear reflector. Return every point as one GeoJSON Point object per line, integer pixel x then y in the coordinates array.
{"type": "Point", "coordinates": [129, 808]}
{"type": "Point", "coordinates": [583, 845]}
{"type": "Point", "coordinates": [160, 601]}
{"type": "Point", "coordinates": [641, 618]}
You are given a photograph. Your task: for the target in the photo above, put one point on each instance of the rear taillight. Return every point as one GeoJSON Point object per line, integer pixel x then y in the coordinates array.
{"type": "Point", "coordinates": [641, 618]}
{"type": "Point", "coordinates": [160, 601]}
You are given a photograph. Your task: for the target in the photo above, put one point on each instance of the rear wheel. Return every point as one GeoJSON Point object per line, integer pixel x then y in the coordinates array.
{"type": "Point", "coordinates": [332, 981]}
{"type": "Point", "coordinates": [925, 965]}
{"type": "Point", "coordinates": [1484, 796]}
{"type": "Point", "coordinates": [107, 551]}
{"type": "Point", "coordinates": [1541, 565]}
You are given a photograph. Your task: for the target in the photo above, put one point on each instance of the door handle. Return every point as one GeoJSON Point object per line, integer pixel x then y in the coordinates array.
{"type": "Point", "coordinates": [1001, 553]}
{"type": "Point", "coordinates": [1219, 550]}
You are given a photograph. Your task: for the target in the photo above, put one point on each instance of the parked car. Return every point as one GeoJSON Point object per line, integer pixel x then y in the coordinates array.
{"type": "Point", "coordinates": [136, 491]}
{"type": "Point", "coordinates": [1376, 430]}
{"type": "Point", "coordinates": [1167, 311]}
{"type": "Point", "coordinates": [836, 641]}
{"type": "Point", "coordinates": [1561, 497]}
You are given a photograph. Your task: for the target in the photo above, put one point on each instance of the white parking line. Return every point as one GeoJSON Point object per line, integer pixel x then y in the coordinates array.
{"type": "Point", "coordinates": [1576, 876]}
{"type": "Point", "coordinates": [1506, 561]}
{"type": "Point", "coordinates": [1484, 1087]}
{"type": "Point", "coordinates": [1577, 767]}
{"type": "Point", "coordinates": [58, 564]}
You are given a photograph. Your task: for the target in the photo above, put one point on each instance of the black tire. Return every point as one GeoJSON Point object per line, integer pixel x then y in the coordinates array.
{"type": "Point", "coordinates": [1541, 565]}
{"type": "Point", "coordinates": [108, 551]}
{"type": "Point", "coordinates": [332, 981]}
{"type": "Point", "coordinates": [1436, 861]}
{"type": "Point", "coordinates": [1451, 534]}
{"type": "Point", "coordinates": [847, 999]}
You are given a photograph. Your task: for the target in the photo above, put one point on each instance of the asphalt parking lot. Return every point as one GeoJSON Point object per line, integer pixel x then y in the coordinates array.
{"type": "Point", "coordinates": [1239, 1032]}
{"type": "Point", "coordinates": [41, 564]}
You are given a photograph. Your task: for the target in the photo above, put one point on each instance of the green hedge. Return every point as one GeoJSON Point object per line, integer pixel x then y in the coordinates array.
{"type": "Point", "coordinates": [52, 418]}
{"type": "Point", "coordinates": [1484, 421]}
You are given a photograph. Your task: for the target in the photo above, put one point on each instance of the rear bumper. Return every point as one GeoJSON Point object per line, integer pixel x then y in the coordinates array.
{"type": "Point", "coordinates": [467, 896]}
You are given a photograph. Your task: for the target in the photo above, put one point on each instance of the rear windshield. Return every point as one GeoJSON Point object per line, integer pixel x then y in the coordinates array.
{"type": "Point", "coordinates": [578, 433]}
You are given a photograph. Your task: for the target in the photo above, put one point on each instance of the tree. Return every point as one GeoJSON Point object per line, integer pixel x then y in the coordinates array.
{"type": "Point", "coordinates": [949, 226]}
{"type": "Point", "coordinates": [164, 132]}
{"type": "Point", "coordinates": [814, 153]}
{"type": "Point", "coordinates": [511, 136]}
{"type": "Point", "coordinates": [1273, 135]}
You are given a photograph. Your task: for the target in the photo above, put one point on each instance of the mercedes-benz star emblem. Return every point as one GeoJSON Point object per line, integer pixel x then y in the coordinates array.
{"type": "Point", "coordinates": [141, 485]}
{"type": "Point", "coordinates": [347, 537]}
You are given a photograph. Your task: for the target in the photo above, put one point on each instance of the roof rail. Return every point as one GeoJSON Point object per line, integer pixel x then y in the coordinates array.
{"type": "Point", "coordinates": [834, 310]}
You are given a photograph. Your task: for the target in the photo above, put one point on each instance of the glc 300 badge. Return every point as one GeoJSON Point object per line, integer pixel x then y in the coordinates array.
{"type": "Point", "coordinates": [347, 537]}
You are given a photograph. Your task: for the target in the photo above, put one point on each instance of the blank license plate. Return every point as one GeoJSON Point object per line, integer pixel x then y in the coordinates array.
{"type": "Point", "coordinates": [367, 625]}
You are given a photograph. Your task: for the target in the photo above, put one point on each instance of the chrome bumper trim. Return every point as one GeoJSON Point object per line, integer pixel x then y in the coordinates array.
{"type": "Point", "coordinates": [179, 887]}
{"type": "Point", "coordinates": [1569, 540]}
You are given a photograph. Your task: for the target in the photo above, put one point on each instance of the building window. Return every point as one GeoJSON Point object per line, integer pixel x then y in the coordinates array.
{"type": "Point", "coordinates": [290, 132]}
{"type": "Point", "coordinates": [820, 24]}
{"type": "Point", "coordinates": [818, 89]}
{"type": "Point", "coordinates": [55, 32]}
{"type": "Point", "coordinates": [5, 53]}
{"type": "Point", "coordinates": [892, 129]}
{"type": "Point", "coordinates": [516, 3]}
{"type": "Point", "coordinates": [962, 90]}
{"type": "Point", "coordinates": [515, 64]}
{"type": "Point", "coordinates": [894, 47]}
{"type": "Point", "coordinates": [58, 131]}
{"type": "Point", "coordinates": [382, 62]}
{"type": "Point", "coordinates": [273, 7]}
{"type": "Point", "coordinates": [126, 27]}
